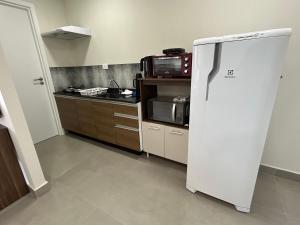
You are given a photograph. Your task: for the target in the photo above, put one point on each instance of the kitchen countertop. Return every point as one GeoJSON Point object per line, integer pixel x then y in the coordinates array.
{"type": "Point", "coordinates": [116, 99]}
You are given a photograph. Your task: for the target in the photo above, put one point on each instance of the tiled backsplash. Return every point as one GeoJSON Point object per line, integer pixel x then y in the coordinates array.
{"type": "Point", "coordinates": [94, 76]}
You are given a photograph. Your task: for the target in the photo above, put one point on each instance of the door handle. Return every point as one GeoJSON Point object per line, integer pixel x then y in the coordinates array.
{"type": "Point", "coordinates": [216, 67]}
{"type": "Point", "coordinates": [38, 79]}
{"type": "Point", "coordinates": [39, 83]}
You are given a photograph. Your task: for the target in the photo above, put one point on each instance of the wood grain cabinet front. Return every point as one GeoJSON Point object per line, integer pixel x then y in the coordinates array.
{"type": "Point", "coordinates": [127, 137]}
{"type": "Point", "coordinates": [86, 121]}
{"type": "Point", "coordinates": [12, 181]}
{"type": "Point", "coordinates": [110, 122]}
{"type": "Point", "coordinates": [127, 110]}
{"type": "Point", "coordinates": [104, 121]}
{"type": "Point", "coordinates": [68, 113]}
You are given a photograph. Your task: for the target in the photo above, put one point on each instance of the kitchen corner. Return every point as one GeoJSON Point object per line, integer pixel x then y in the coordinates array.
{"type": "Point", "coordinates": [110, 113]}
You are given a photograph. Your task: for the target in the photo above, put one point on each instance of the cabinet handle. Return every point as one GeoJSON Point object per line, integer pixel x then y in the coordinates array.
{"type": "Point", "coordinates": [154, 128]}
{"type": "Point", "coordinates": [176, 132]}
{"type": "Point", "coordinates": [126, 128]}
{"type": "Point", "coordinates": [125, 116]}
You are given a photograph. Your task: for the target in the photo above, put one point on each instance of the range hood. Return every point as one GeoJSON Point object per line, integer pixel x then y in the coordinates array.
{"type": "Point", "coordinates": [68, 32]}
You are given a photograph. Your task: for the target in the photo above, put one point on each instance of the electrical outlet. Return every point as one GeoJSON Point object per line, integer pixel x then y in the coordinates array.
{"type": "Point", "coordinates": [105, 66]}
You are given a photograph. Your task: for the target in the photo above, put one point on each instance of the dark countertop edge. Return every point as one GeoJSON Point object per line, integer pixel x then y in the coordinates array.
{"type": "Point", "coordinates": [133, 100]}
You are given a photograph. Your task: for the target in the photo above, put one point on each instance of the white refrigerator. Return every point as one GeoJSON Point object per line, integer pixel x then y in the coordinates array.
{"type": "Point", "coordinates": [234, 85]}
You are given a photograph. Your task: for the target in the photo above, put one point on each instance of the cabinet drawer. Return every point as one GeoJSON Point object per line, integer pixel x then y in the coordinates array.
{"type": "Point", "coordinates": [128, 110]}
{"type": "Point", "coordinates": [129, 122]}
{"type": "Point", "coordinates": [127, 137]}
{"type": "Point", "coordinates": [153, 138]}
{"type": "Point", "coordinates": [176, 144]}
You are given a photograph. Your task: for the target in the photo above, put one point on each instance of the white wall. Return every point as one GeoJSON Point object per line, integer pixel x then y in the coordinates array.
{"type": "Point", "coordinates": [51, 14]}
{"type": "Point", "coordinates": [126, 30]}
{"type": "Point", "coordinates": [14, 119]}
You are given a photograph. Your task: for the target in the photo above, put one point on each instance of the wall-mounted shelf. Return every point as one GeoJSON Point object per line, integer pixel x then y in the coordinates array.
{"type": "Point", "coordinates": [166, 81]}
{"type": "Point", "coordinates": [167, 124]}
{"type": "Point", "coordinates": [68, 33]}
{"type": "Point", "coordinates": [149, 87]}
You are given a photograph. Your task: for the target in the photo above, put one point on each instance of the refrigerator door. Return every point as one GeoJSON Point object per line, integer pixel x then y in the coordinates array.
{"type": "Point", "coordinates": [232, 96]}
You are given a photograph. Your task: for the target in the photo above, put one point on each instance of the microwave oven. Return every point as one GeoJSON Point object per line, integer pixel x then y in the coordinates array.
{"type": "Point", "coordinates": [175, 65]}
{"type": "Point", "coordinates": [165, 109]}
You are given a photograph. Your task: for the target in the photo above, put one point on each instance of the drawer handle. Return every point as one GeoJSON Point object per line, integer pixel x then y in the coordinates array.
{"type": "Point", "coordinates": [176, 132]}
{"type": "Point", "coordinates": [126, 128]}
{"type": "Point", "coordinates": [125, 116]}
{"type": "Point", "coordinates": [154, 128]}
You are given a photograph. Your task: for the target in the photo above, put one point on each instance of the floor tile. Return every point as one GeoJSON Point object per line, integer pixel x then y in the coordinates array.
{"type": "Point", "coordinates": [93, 183]}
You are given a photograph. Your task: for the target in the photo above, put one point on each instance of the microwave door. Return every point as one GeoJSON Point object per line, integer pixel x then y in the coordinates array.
{"type": "Point", "coordinates": [167, 66]}
{"type": "Point", "coordinates": [162, 111]}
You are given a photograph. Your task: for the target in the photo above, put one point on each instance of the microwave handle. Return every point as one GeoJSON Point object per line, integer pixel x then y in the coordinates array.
{"type": "Point", "coordinates": [174, 112]}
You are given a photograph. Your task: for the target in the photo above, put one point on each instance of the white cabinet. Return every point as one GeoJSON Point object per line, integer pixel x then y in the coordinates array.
{"type": "Point", "coordinates": [165, 141]}
{"type": "Point", "coordinates": [153, 138]}
{"type": "Point", "coordinates": [176, 144]}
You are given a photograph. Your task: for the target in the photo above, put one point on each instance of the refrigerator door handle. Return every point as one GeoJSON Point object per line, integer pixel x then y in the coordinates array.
{"type": "Point", "coordinates": [216, 67]}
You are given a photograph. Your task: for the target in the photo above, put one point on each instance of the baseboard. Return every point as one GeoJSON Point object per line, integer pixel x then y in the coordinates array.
{"type": "Point", "coordinates": [43, 189]}
{"type": "Point", "coordinates": [279, 172]}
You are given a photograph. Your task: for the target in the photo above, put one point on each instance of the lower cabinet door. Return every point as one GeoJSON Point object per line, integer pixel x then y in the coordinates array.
{"type": "Point", "coordinates": [176, 144]}
{"type": "Point", "coordinates": [106, 133]}
{"type": "Point", "coordinates": [127, 137]}
{"type": "Point", "coordinates": [12, 182]}
{"type": "Point", "coordinates": [68, 113]}
{"type": "Point", "coordinates": [153, 138]}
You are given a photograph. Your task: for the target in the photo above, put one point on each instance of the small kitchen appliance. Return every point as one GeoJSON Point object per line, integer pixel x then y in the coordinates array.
{"type": "Point", "coordinates": [169, 109]}
{"type": "Point", "coordinates": [175, 63]}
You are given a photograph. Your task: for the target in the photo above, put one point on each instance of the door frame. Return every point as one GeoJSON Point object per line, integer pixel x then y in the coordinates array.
{"type": "Point", "coordinates": [30, 9]}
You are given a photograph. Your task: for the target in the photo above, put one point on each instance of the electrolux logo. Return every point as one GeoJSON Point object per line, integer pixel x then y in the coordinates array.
{"type": "Point", "coordinates": [230, 74]}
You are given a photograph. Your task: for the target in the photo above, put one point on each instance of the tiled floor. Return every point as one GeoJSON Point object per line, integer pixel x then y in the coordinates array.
{"type": "Point", "coordinates": [93, 184]}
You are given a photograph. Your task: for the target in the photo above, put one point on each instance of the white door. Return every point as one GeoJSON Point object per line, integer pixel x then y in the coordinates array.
{"type": "Point", "coordinates": [228, 125]}
{"type": "Point", "coordinates": [19, 44]}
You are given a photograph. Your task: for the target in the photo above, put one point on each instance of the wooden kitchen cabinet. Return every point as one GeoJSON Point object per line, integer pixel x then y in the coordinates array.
{"type": "Point", "coordinates": [165, 141]}
{"type": "Point", "coordinates": [128, 137]}
{"type": "Point", "coordinates": [68, 113]}
{"type": "Point", "coordinates": [104, 121]}
{"type": "Point", "coordinates": [86, 121]}
{"type": "Point", "coordinates": [115, 123]}
{"type": "Point", "coordinates": [12, 182]}
{"type": "Point", "coordinates": [153, 138]}
{"type": "Point", "coordinates": [127, 126]}
{"type": "Point", "coordinates": [127, 110]}
{"type": "Point", "coordinates": [176, 144]}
